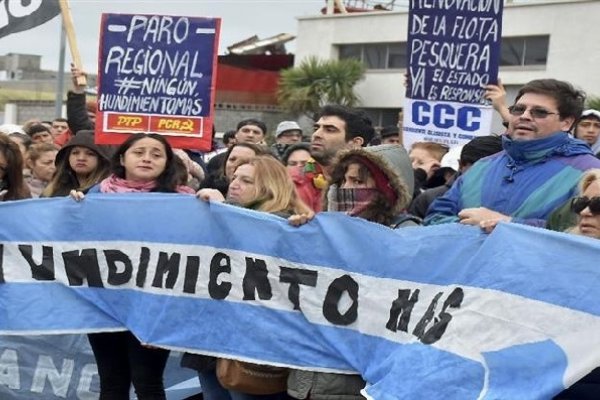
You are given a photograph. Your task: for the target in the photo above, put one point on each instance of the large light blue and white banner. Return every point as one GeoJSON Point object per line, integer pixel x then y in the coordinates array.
{"type": "Point", "coordinates": [426, 312]}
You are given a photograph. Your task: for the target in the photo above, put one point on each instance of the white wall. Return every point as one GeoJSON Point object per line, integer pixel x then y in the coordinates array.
{"type": "Point", "coordinates": [573, 55]}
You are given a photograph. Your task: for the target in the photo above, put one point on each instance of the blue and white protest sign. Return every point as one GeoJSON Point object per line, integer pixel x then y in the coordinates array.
{"type": "Point", "coordinates": [454, 49]}
{"type": "Point", "coordinates": [48, 366]}
{"type": "Point", "coordinates": [424, 312]}
{"type": "Point", "coordinates": [63, 367]}
{"type": "Point", "coordinates": [157, 73]}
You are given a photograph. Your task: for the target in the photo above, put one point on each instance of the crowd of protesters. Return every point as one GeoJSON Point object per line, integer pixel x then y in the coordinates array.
{"type": "Point", "coordinates": [543, 171]}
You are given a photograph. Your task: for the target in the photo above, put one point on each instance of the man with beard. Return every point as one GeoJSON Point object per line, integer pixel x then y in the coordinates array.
{"type": "Point", "coordinates": [337, 128]}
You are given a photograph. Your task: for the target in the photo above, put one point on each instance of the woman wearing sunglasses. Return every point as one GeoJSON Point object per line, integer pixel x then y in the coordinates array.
{"type": "Point", "coordinates": [587, 207]}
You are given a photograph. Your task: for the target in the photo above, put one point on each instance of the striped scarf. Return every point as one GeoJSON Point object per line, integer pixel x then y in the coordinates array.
{"type": "Point", "coordinates": [351, 201]}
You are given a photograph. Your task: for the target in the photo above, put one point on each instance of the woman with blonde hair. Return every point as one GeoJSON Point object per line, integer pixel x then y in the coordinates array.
{"type": "Point", "coordinates": [260, 183]}
{"type": "Point", "coordinates": [40, 162]}
{"type": "Point", "coordinates": [587, 207]}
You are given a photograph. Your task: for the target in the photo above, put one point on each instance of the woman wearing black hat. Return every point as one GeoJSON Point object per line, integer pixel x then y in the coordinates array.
{"type": "Point", "coordinates": [80, 164]}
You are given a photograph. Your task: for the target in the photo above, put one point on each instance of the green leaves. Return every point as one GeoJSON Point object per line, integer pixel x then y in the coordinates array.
{"type": "Point", "coordinates": [593, 102]}
{"type": "Point", "coordinates": [315, 83]}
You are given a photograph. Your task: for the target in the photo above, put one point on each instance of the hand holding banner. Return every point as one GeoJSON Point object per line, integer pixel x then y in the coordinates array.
{"type": "Point", "coordinates": [424, 312]}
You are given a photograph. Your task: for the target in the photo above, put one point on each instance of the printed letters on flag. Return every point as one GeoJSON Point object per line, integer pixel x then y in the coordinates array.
{"type": "Point", "coordinates": [423, 312]}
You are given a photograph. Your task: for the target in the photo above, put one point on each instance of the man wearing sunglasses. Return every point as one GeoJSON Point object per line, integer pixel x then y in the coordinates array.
{"type": "Point", "coordinates": [537, 170]}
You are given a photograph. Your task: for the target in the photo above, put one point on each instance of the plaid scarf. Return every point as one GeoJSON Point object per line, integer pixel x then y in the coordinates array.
{"type": "Point", "coordinates": [351, 201]}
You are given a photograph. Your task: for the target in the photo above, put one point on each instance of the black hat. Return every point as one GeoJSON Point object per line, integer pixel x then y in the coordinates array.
{"type": "Point", "coordinates": [479, 147]}
{"type": "Point", "coordinates": [390, 130]}
{"type": "Point", "coordinates": [83, 138]}
{"type": "Point", "coordinates": [292, 148]}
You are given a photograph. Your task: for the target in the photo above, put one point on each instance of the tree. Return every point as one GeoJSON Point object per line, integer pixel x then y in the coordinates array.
{"type": "Point", "coordinates": [593, 102]}
{"type": "Point", "coordinates": [315, 83]}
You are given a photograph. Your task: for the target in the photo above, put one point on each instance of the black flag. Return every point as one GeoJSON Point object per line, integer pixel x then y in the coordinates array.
{"type": "Point", "coordinates": [21, 15]}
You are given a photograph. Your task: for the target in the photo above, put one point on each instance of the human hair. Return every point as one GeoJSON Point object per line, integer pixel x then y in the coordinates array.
{"type": "Point", "coordinates": [292, 149]}
{"type": "Point", "coordinates": [35, 151]}
{"type": "Point", "coordinates": [589, 177]}
{"type": "Point", "coordinates": [252, 121]}
{"type": "Point", "coordinates": [13, 173]}
{"type": "Point", "coordinates": [29, 123]}
{"type": "Point", "coordinates": [436, 150]}
{"type": "Point", "coordinates": [60, 119]}
{"type": "Point", "coordinates": [181, 174]}
{"type": "Point", "coordinates": [358, 123]}
{"type": "Point", "coordinates": [379, 210]}
{"type": "Point", "coordinates": [339, 171]}
{"type": "Point", "coordinates": [275, 190]}
{"type": "Point", "coordinates": [25, 139]}
{"type": "Point", "coordinates": [65, 179]}
{"type": "Point", "coordinates": [479, 147]}
{"type": "Point", "coordinates": [167, 181]}
{"type": "Point", "coordinates": [228, 136]}
{"type": "Point", "coordinates": [569, 101]}
{"type": "Point", "coordinates": [37, 128]}
{"type": "Point", "coordinates": [259, 150]}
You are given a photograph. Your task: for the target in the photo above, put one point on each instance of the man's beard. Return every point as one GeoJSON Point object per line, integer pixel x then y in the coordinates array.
{"type": "Point", "coordinates": [323, 157]}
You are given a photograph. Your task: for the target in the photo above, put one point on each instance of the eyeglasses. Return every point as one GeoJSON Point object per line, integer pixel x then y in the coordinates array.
{"type": "Point", "coordinates": [578, 204]}
{"type": "Point", "coordinates": [536, 112]}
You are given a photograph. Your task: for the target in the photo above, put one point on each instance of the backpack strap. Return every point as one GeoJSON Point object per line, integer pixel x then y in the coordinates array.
{"type": "Point", "coordinates": [402, 219]}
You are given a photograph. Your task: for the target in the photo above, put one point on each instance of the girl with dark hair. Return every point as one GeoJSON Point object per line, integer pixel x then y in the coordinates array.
{"type": "Point", "coordinates": [12, 185]}
{"type": "Point", "coordinates": [376, 184]}
{"type": "Point", "coordinates": [143, 163]}
{"type": "Point", "coordinates": [80, 164]}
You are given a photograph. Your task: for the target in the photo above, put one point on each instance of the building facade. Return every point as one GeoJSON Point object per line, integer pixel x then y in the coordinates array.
{"type": "Point", "coordinates": [541, 39]}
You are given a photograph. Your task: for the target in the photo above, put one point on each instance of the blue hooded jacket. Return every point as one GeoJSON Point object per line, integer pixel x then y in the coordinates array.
{"type": "Point", "coordinates": [526, 181]}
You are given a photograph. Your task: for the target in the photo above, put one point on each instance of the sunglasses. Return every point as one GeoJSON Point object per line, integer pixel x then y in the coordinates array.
{"type": "Point", "coordinates": [578, 204]}
{"type": "Point", "coordinates": [536, 112]}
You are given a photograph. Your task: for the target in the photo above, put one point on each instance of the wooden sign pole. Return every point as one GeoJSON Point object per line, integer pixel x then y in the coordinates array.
{"type": "Point", "coordinates": [70, 31]}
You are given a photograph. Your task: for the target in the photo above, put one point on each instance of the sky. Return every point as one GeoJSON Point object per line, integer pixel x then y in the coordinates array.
{"type": "Point", "coordinates": [240, 19]}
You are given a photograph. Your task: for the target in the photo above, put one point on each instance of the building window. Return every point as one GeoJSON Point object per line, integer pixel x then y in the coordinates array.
{"type": "Point", "coordinates": [350, 51]}
{"type": "Point", "coordinates": [376, 55]}
{"type": "Point", "coordinates": [383, 116]}
{"type": "Point", "coordinates": [397, 55]}
{"type": "Point", "coordinates": [524, 50]}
